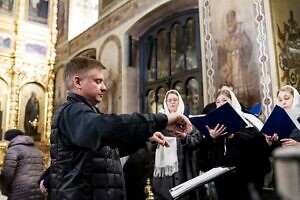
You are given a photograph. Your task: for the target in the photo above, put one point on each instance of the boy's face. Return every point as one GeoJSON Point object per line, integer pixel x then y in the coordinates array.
{"type": "Point", "coordinates": [93, 86]}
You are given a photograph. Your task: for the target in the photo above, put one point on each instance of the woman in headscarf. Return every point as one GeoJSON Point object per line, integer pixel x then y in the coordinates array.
{"type": "Point", "coordinates": [245, 149]}
{"type": "Point", "coordinates": [175, 164]}
{"type": "Point", "coordinates": [288, 98]}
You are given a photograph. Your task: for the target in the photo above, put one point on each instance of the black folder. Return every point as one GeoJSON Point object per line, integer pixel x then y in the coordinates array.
{"type": "Point", "coordinates": [279, 122]}
{"type": "Point", "coordinates": [190, 185]}
{"type": "Point", "coordinates": [223, 115]}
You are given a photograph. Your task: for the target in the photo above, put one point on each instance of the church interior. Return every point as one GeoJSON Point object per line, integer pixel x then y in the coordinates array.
{"type": "Point", "coordinates": [148, 47]}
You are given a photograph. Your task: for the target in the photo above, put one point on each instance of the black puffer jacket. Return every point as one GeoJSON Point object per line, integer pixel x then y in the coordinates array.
{"type": "Point", "coordinates": [108, 175]}
{"type": "Point", "coordinates": [84, 163]}
{"type": "Point", "coordinates": [23, 166]}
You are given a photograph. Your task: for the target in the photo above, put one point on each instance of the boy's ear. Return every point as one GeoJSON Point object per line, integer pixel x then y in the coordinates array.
{"type": "Point", "coordinates": [76, 82]}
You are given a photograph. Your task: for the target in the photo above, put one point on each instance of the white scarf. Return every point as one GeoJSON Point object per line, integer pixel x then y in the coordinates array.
{"type": "Point", "coordinates": [166, 160]}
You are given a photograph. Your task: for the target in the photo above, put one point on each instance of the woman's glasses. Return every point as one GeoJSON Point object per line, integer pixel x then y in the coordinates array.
{"type": "Point", "coordinates": [172, 100]}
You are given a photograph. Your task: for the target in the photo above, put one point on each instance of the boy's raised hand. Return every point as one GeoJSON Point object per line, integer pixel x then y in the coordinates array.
{"type": "Point", "coordinates": [178, 124]}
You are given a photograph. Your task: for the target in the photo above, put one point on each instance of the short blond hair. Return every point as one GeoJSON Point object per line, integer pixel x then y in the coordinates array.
{"type": "Point", "coordinates": [80, 66]}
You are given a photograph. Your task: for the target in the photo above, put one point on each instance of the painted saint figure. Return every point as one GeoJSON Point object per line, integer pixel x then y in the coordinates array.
{"type": "Point", "coordinates": [32, 111]}
{"type": "Point", "coordinates": [234, 54]}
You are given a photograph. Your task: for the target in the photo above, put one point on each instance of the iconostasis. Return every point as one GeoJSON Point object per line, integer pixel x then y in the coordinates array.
{"type": "Point", "coordinates": [27, 56]}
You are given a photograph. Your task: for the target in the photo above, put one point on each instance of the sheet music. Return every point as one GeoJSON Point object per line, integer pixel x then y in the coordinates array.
{"type": "Point", "coordinates": [199, 180]}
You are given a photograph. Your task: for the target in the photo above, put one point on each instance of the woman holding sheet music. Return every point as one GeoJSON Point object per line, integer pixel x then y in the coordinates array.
{"type": "Point", "coordinates": [289, 99]}
{"type": "Point", "coordinates": [175, 164]}
{"type": "Point", "coordinates": [245, 149]}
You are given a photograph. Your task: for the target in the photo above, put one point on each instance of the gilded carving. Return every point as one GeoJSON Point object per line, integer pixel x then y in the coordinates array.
{"type": "Point", "coordinates": [286, 25]}
{"type": "Point", "coordinates": [27, 64]}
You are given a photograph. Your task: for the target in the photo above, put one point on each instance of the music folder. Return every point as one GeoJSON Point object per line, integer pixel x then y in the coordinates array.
{"type": "Point", "coordinates": [280, 122]}
{"type": "Point", "coordinates": [223, 115]}
{"type": "Point", "coordinates": [186, 187]}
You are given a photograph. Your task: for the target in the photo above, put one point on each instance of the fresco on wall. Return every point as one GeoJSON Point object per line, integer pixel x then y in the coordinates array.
{"type": "Point", "coordinates": [234, 46]}
{"type": "Point", "coordinates": [6, 6]}
{"type": "Point", "coordinates": [286, 25]}
{"type": "Point", "coordinates": [38, 11]}
{"type": "Point", "coordinates": [32, 110]}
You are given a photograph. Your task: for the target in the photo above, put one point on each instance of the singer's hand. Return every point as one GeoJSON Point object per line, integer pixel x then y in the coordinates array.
{"type": "Point", "coordinates": [289, 142]}
{"type": "Point", "coordinates": [42, 187]}
{"type": "Point", "coordinates": [218, 131]}
{"type": "Point", "coordinates": [271, 138]}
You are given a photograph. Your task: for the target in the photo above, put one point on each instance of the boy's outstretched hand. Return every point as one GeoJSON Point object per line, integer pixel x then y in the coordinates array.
{"type": "Point", "coordinates": [178, 124]}
{"type": "Point", "coordinates": [160, 139]}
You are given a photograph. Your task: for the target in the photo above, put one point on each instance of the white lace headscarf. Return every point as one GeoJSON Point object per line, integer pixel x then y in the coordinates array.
{"type": "Point", "coordinates": [251, 120]}
{"type": "Point", "coordinates": [180, 108]}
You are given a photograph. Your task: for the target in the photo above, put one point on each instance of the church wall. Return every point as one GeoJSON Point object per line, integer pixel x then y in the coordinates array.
{"type": "Point", "coordinates": [132, 18]}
